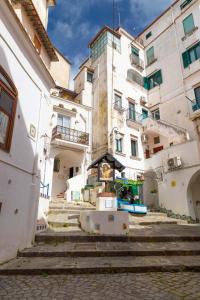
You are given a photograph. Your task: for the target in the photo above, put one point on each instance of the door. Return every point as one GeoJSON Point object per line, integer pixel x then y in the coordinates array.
{"type": "Point", "coordinates": [157, 149]}
{"type": "Point", "coordinates": [71, 172]}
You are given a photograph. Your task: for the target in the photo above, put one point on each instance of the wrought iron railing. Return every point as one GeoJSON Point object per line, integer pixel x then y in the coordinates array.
{"type": "Point", "coordinates": [135, 60]}
{"type": "Point", "coordinates": [134, 116]}
{"type": "Point", "coordinates": [71, 135]}
{"type": "Point", "coordinates": [44, 190]}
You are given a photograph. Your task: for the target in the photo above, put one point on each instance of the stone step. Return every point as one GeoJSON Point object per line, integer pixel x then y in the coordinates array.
{"type": "Point", "coordinates": [154, 222]}
{"type": "Point", "coordinates": [70, 208]}
{"type": "Point", "coordinates": [64, 211]}
{"type": "Point", "coordinates": [156, 214]}
{"type": "Point", "coordinates": [86, 265]}
{"type": "Point", "coordinates": [68, 249]}
{"type": "Point", "coordinates": [62, 223]}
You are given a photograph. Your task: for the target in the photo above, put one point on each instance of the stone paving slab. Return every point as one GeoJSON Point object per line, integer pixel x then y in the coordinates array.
{"type": "Point", "coordinates": [82, 265]}
{"type": "Point", "coordinates": [112, 249]}
{"type": "Point", "coordinates": [151, 286]}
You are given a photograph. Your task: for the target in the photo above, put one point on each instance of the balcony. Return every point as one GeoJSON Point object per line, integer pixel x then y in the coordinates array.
{"type": "Point", "coordinates": [134, 119]}
{"type": "Point", "coordinates": [136, 61]}
{"type": "Point", "coordinates": [117, 106]}
{"type": "Point", "coordinates": [70, 135]}
{"type": "Point", "coordinates": [175, 133]}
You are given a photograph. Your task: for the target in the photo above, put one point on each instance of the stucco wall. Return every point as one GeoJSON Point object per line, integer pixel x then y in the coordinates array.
{"type": "Point", "coordinates": [20, 168]}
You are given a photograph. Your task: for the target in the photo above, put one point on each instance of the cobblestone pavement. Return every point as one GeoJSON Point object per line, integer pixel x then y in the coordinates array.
{"type": "Point", "coordinates": [151, 286]}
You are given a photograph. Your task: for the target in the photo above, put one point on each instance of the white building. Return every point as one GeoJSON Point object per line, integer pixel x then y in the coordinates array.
{"type": "Point", "coordinates": [172, 53]}
{"type": "Point", "coordinates": [26, 54]}
{"type": "Point", "coordinates": [114, 85]}
{"type": "Point", "coordinates": [146, 105]}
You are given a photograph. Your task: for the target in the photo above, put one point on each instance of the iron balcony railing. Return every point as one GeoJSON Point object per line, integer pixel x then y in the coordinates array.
{"type": "Point", "coordinates": [71, 135]}
{"type": "Point", "coordinates": [135, 60]}
{"type": "Point", "coordinates": [134, 116]}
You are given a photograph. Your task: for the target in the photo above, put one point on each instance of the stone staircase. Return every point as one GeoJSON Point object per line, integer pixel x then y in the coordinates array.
{"type": "Point", "coordinates": [64, 216]}
{"type": "Point", "coordinates": [163, 248]}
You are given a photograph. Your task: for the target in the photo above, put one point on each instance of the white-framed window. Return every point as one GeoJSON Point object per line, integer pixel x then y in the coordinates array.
{"type": "Point", "coordinates": [118, 100]}
{"type": "Point", "coordinates": [119, 144]}
{"type": "Point", "coordinates": [63, 121]}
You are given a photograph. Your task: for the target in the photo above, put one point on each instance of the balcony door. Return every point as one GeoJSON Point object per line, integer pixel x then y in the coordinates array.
{"type": "Point", "coordinates": [131, 111]}
{"type": "Point", "coordinates": [63, 121]}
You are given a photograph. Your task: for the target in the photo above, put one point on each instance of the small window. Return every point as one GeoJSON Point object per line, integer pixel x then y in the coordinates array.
{"type": "Point", "coordinates": [145, 114]}
{"type": "Point", "coordinates": [118, 100]}
{"type": "Point", "coordinates": [150, 55]}
{"type": "Point", "coordinates": [135, 51]}
{"type": "Point", "coordinates": [56, 166]}
{"type": "Point", "coordinates": [90, 77]}
{"type": "Point", "coordinates": [148, 35]}
{"type": "Point", "coordinates": [134, 148]}
{"type": "Point", "coordinates": [119, 144]}
{"type": "Point", "coordinates": [37, 43]}
{"type": "Point", "coordinates": [185, 3]}
{"type": "Point", "coordinates": [156, 114]}
{"type": "Point", "coordinates": [8, 102]}
{"type": "Point", "coordinates": [157, 140]}
{"type": "Point", "coordinates": [188, 24]}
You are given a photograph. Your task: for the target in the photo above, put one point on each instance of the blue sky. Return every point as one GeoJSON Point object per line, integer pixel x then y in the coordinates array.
{"type": "Point", "coordinates": [73, 23]}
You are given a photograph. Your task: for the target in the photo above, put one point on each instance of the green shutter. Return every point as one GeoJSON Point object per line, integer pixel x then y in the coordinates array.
{"type": "Point", "coordinates": [186, 59]}
{"type": "Point", "coordinates": [146, 83]}
{"type": "Point", "coordinates": [158, 77]}
{"type": "Point", "coordinates": [188, 24]}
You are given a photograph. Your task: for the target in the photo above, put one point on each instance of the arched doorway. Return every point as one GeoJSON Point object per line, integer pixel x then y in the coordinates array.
{"type": "Point", "coordinates": [194, 196]}
{"type": "Point", "coordinates": [68, 174]}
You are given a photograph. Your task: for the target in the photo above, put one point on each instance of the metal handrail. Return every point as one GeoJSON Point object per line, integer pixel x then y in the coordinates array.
{"type": "Point", "coordinates": [133, 115]}
{"type": "Point", "coordinates": [136, 61]}
{"type": "Point", "coordinates": [71, 135]}
{"type": "Point", "coordinates": [166, 123]}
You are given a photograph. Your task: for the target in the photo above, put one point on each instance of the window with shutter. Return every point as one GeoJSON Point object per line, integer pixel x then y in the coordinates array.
{"type": "Point", "coordinates": [188, 24]}
{"type": "Point", "coordinates": [191, 55]}
{"type": "Point", "coordinates": [150, 55]}
{"type": "Point", "coordinates": [153, 80]}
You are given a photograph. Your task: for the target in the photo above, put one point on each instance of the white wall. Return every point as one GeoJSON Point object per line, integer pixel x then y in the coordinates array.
{"type": "Point", "coordinates": [20, 168]}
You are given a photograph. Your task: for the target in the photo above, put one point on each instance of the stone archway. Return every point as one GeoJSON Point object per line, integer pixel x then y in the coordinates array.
{"type": "Point", "coordinates": [193, 195]}
{"type": "Point", "coordinates": [150, 189]}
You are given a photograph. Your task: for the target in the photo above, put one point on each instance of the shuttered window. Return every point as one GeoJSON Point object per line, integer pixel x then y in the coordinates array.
{"type": "Point", "coordinates": [197, 96]}
{"type": "Point", "coordinates": [191, 55]}
{"type": "Point", "coordinates": [188, 24]}
{"type": "Point", "coordinates": [150, 55]}
{"type": "Point", "coordinates": [153, 80]}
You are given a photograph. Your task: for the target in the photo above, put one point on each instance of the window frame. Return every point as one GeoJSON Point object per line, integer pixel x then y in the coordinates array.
{"type": "Point", "coordinates": [12, 92]}
{"type": "Point", "coordinates": [91, 75]}
{"type": "Point", "coordinates": [135, 141]}
{"type": "Point", "coordinates": [120, 149]}
{"type": "Point", "coordinates": [118, 103]}
{"type": "Point", "coordinates": [155, 113]}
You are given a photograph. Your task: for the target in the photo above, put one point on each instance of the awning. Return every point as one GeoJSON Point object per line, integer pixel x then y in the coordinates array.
{"type": "Point", "coordinates": [107, 158]}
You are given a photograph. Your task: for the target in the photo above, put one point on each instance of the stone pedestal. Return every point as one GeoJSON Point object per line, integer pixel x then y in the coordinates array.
{"type": "Point", "coordinates": [105, 222]}
{"type": "Point", "coordinates": [106, 202]}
